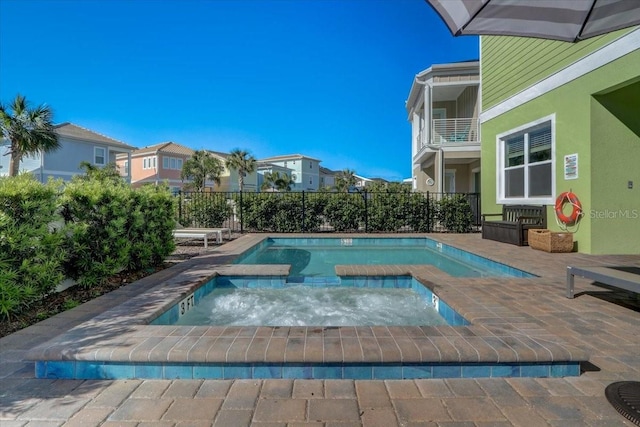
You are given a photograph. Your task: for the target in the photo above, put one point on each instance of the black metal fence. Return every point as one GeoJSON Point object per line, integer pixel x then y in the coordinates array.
{"type": "Point", "coordinates": [364, 211]}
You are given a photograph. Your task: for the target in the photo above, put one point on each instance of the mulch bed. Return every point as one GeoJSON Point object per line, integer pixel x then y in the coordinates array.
{"type": "Point", "coordinates": [76, 295]}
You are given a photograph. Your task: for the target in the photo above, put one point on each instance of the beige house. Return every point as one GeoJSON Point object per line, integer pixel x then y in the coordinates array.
{"type": "Point", "coordinates": [229, 177]}
{"type": "Point", "coordinates": [443, 109]}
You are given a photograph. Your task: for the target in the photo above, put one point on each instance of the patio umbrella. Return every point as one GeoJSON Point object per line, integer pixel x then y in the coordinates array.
{"type": "Point", "coordinates": [567, 20]}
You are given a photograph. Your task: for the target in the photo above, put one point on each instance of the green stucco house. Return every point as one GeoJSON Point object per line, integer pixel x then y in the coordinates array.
{"type": "Point", "coordinates": [560, 117]}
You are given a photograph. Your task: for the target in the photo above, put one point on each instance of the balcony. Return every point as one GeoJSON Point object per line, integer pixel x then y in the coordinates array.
{"type": "Point", "coordinates": [454, 131]}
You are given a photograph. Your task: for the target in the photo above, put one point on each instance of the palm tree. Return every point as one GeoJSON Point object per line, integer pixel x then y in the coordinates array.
{"type": "Point", "coordinates": [283, 182]}
{"type": "Point", "coordinates": [345, 180]}
{"type": "Point", "coordinates": [269, 182]}
{"type": "Point", "coordinates": [202, 166]}
{"type": "Point", "coordinates": [29, 131]}
{"type": "Point", "coordinates": [243, 162]}
{"type": "Point", "coordinates": [107, 173]}
{"type": "Point", "coordinates": [276, 181]}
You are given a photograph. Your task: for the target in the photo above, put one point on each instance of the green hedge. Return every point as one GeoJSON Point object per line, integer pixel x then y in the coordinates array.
{"type": "Point", "coordinates": [31, 254]}
{"type": "Point", "coordinates": [208, 210]}
{"type": "Point", "coordinates": [87, 230]}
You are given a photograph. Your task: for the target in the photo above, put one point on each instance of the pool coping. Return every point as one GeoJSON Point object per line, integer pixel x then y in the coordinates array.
{"type": "Point", "coordinates": [122, 335]}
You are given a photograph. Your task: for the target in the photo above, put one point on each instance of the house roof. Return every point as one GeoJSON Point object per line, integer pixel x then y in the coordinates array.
{"type": "Point", "coordinates": [77, 132]}
{"type": "Point", "coordinates": [288, 157]}
{"type": "Point", "coordinates": [219, 154]}
{"type": "Point", "coordinates": [437, 69]}
{"type": "Point", "coordinates": [165, 147]}
{"type": "Point", "coordinates": [327, 171]}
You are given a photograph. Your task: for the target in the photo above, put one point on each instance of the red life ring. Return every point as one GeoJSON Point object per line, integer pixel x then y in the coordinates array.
{"type": "Point", "coordinates": [576, 213]}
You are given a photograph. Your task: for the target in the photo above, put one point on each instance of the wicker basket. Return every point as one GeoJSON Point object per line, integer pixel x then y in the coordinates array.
{"type": "Point", "coordinates": [549, 241]}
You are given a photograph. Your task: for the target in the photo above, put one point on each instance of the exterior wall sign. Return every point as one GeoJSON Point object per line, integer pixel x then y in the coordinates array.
{"type": "Point", "coordinates": [571, 166]}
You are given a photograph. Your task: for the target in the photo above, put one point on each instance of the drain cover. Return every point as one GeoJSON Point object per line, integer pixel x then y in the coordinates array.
{"type": "Point", "coordinates": [625, 397]}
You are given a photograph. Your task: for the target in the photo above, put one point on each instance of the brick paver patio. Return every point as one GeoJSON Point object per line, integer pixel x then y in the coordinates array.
{"type": "Point", "coordinates": [601, 323]}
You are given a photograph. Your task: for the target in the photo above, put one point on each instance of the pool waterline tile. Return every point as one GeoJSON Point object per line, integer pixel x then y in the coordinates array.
{"type": "Point", "coordinates": [323, 371]}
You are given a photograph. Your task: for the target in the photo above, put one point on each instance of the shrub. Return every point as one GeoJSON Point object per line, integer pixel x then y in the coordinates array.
{"type": "Point", "coordinates": [345, 211]}
{"type": "Point", "coordinates": [150, 225]}
{"type": "Point", "coordinates": [204, 209]}
{"type": "Point", "coordinates": [257, 210]}
{"type": "Point", "coordinates": [421, 213]}
{"type": "Point", "coordinates": [454, 213]}
{"type": "Point", "coordinates": [97, 214]}
{"type": "Point", "coordinates": [31, 252]}
{"type": "Point", "coordinates": [386, 211]}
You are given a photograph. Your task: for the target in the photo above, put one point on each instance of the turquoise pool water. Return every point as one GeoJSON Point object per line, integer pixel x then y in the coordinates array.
{"type": "Point", "coordinates": [348, 301]}
{"type": "Point", "coordinates": [319, 256]}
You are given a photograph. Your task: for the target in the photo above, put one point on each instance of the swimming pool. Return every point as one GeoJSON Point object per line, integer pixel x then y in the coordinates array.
{"type": "Point", "coordinates": [123, 343]}
{"type": "Point", "coordinates": [272, 301]}
{"type": "Point", "coordinates": [317, 257]}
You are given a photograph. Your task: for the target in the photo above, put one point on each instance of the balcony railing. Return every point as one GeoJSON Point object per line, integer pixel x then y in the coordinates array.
{"type": "Point", "coordinates": [452, 131]}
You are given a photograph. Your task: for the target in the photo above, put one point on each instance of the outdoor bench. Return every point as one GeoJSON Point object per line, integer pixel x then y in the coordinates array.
{"type": "Point", "coordinates": [514, 225]}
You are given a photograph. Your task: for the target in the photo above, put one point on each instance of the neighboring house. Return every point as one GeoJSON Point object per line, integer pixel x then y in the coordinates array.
{"type": "Point", "coordinates": [229, 177]}
{"type": "Point", "coordinates": [156, 164]}
{"type": "Point", "coordinates": [560, 117]}
{"type": "Point", "coordinates": [327, 178]}
{"type": "Point", "coordinates": [77, 144]}
{"type": "Point", "coordinates": [305, 171]}
{"type": "Point", "coordinates": [265, 167]}
{"type": "Point", "coordinates": [443, 108]}
{"type": "Point", "coordinates": [362, 182]}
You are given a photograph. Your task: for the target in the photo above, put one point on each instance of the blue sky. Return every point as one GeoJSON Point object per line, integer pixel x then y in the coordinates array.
{"type": "Point", "coordinates": [324, 78]}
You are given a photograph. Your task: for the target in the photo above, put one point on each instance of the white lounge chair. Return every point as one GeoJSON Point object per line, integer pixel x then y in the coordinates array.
{"type": "Point", "coordinates": [202, 233]}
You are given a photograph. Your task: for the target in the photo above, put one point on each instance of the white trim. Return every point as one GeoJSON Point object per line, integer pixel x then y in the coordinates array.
{"type": "Point", "coordinates": [603, 56]}
{"type": "Point", "coordinates": [500, 198]}
{"type": "Point", "coordinates": [62, 173]}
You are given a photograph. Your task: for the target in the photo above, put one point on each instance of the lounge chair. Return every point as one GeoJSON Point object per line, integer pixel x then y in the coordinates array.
{"type": "Point", "coordinates": [202, 233]}
{"type": "Point", "coordinates": [460, 136]}
{"type": "Point", "coordinates": [627, 278]}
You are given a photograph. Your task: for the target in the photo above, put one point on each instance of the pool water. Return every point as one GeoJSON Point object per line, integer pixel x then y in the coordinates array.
{"type": "Point", "coordinates": [312, 306]}
{"type": "Point", "coordinates": [318, 257]}
{"type": "Point", "coordinates": [349, 301]}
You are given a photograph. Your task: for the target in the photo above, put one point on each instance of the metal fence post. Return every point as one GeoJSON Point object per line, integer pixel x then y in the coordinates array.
{"type": "Point", "coordinates": [179, 206]}
{"type": "Point", "coordinates": [303, 212]}
{"type": "Point", "coordinates": [429, 230]}
{"type": "Point", "coordinates": [241, 217]}
{"type": "Point", "coordinates": [366, 212]}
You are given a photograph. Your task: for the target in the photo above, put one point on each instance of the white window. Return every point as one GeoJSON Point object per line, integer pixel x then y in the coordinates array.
{"type": "Point", "coordinates": [149, 162]}
{"type": "Point", "coordinates": [126, 167]}
{"type": "Point", "coordinates": [99, 156]}
{"type": "Point", "coordinates": [171, 163]}
{"type": "Point", "coordinates": [526, 157]}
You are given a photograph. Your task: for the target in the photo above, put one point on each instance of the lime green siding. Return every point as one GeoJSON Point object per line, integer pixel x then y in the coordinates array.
{"type": "Point", "coordinates": [597, 118]}
{"type": "Point", "coordinates": [615, 148]}
{"type": "Point", "coordinates": [511, 64]}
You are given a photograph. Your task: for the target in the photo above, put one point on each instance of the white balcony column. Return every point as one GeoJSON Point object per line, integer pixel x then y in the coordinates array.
{"type": "Point", "coordinates": [416, 136]}
{"type": "Point", "coordinates": [427, 139]}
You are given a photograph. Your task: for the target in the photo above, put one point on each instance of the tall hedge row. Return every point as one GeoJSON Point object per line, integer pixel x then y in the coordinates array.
{"type": "Point", "coordinates": [87, 229]}
{"type": "Point", "coordinates": [352, 212]}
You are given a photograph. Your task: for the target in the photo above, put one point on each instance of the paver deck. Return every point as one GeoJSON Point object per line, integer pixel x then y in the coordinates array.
{"type": "Point", "coordinates": [600, 325]}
